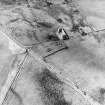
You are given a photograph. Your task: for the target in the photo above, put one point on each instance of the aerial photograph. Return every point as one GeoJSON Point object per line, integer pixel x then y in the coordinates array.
{"type": "Point", "coordinates": [52, 52]}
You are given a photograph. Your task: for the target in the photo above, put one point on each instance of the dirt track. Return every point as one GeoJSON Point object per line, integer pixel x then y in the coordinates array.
{"type": "Point", "coordinates": [82, 63]}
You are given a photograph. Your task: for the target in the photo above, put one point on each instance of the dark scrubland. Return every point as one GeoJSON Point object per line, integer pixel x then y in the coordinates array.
{"type": "Point", "coordinates": [52, 88]}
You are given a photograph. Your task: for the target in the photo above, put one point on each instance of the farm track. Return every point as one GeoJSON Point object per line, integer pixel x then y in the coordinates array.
{"type": "Point", "coordinates": [13, 78]}
{"type": "Point", "coordinates": [53, 69]}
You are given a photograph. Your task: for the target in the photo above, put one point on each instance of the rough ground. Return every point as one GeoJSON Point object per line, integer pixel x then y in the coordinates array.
{"type": "Point", "coordinates": [28, 23]}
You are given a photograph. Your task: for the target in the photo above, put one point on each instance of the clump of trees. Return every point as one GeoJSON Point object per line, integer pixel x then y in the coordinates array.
{"type": "Point", "coordinates": [11, 2]}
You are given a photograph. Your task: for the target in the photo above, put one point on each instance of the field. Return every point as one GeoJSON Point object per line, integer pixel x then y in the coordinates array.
{"type": "Point", "coordinates": [73, 76]}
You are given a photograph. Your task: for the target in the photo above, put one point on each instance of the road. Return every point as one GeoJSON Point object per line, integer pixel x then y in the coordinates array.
{"type": "Point", "coordinates": [83, 63]}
